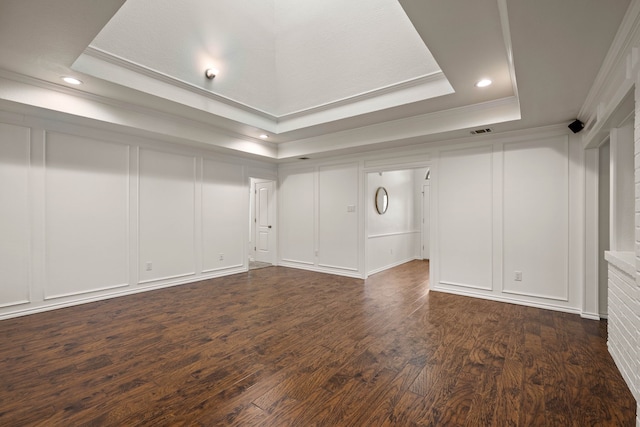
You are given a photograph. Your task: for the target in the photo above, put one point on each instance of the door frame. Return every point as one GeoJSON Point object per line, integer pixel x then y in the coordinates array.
{"type": "Point", "coordinates": [252, 216]}
{"type": "Point", "coordinates": [431, 166]}
{"type": "Point", "coordinates": [425, 232]}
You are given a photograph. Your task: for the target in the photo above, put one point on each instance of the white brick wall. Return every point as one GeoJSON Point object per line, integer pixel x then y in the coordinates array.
{"type": "Point", "coordinates": [623, 326]}
{"type": "Point", "coordinates": [636, 310]}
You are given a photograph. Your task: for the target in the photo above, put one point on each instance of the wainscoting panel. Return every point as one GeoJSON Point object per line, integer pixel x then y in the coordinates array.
{"type": "Point", "coordinates": [14, 214]}
{"type": "Point", "coordinates": [87, 215]}
{"type": "Point", "coordinates": [389, 250]}
{"type": "Point", "coordinates": [297, 217]}
{"type": "Point", "coordinates": [465, 202]}
{"type": "Point", "coordinates": [224, 215]}
{"type": "Point", "coordinates": [338, 217]}
{"type": "Point", "coordinates": [167, 215]}
{"type": "Point", "coordinates": [536, 218]}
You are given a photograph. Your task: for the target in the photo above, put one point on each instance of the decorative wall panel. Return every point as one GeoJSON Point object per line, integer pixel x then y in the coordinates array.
{"type": "Point", "coordinates": [87, 215]}
{"type": "Point", "coordinates": [14, 215]}
{"type": "Point", "coordinates": [167, 215]}
{"type": "Point", "coordinates": [465, 217]}
{"type": "Point", "coordinates": [536, 218]}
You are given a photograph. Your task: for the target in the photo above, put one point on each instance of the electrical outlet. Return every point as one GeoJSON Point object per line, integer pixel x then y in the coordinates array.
{"type": "Point", "coordinates": [518, 276]}
{"type": "Point", "coordinates": [149, 266]}
{"type": "Point", "coordinates": [351, 208]}
{"type": "Point", "coordinates": [221, 257]}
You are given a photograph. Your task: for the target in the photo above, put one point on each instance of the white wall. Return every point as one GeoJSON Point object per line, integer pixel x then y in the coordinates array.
{"type": "Point", "coordinates": [536, 218]}
{"type": "Point", "coordinates": [621, 189]}
{"type": "Point", "coordinates": [85, 179]}
{"type": "Point", "coordinates": [297, 213]}
{"type": "Point", "coordinates": [90, 214]}
{"type": "Point", "coordinates": [465, 217]}
{"type": "Point", "coordinates": [167, 218]}
{"type": "Point", "coordinates": [615, 91]}
{"type": "Point", "coordinates": [224, 196]}
{"type": "Point", "coordinates": [337, 217]}
{"type": "Point", "coordinates": [14, 216]}
{"type": "Point", "coordinates": [603, 228]}
{"type": "Point", "coordinates": [420, 215]}
{"type": "Point", "coordinates": [394, 237]}
{"type": "Point", "coordinates": [507, 207]}
{"type": "Point", "coordinates": [319, 217]}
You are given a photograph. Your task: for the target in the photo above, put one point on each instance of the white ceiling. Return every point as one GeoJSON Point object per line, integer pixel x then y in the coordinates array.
{"type": "Point", "coordinates": [279, 57]}
{"type": "Point", "coordinates": [320, 77]}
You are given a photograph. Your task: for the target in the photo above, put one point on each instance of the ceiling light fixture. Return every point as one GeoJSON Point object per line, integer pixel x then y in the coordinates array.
{"type": "Point", "coordinates": [211, 73]}
{"type": "Point", "coordinates": [264, 136]}
{"type": "Point", "coordinates": [72, 80]}
{"type": "Point", "coordinates": [484, 83]}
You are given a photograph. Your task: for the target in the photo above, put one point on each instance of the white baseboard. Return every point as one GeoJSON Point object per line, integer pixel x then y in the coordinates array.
{"type": "Point", "coordinates": [395, 264]}
{"type": "Point", "coordinates": [49, 305]}
{"type": "Point", "coordinates": [507, 300]}
{"type": "Point", "coordinates": [318, 269]}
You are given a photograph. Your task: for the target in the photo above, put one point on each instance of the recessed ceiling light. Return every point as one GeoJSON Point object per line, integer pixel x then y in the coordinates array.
{"type": "Point", "coordinates": [484, 83]}
{"type": "Point", "coordinates": [264, 136]}
{"type": "Point", "coordinates": [72, 80]}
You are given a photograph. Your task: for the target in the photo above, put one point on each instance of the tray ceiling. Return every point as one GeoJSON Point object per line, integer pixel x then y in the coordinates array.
{"type": "Point", "coordinates": [317, 77]}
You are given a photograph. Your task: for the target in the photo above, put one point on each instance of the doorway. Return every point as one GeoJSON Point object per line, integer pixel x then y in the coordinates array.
{"type": "Point", "coordinates": [263, 223]}
{"type": "Point", "coordinates": [402, 233]}
{"type": "Point", "coordinates": [426, 220]}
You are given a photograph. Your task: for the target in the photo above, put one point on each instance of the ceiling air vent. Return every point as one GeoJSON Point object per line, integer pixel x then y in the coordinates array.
{"type": "Point", "coordinates": [481, 131]}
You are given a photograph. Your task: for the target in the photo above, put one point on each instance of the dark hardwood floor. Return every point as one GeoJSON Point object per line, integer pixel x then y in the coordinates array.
{"type": "Point", "coordinates": [285, 347]}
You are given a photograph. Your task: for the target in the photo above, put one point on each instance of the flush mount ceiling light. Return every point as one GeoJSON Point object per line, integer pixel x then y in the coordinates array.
{"type": "Point", "coordinates": [484, 83]}
{"type": "Point", "coordinates": [72, 80]}
{"type": "Point", "coordinates": [211, 73]}
{"type": "Point", "coordinates": [264, 136]}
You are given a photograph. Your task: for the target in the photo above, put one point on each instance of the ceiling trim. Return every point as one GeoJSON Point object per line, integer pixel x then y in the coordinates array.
{"type": "Point", "coordinates": [437, 77]}
{"type": "Point", "coordinates": [118, 61]}
{"type": "Point", "coordinates": [506, 35]}
{"type": "Point", "coordinates": [99, 63]}
{"type": "Point", "coordinates": [152, 123]}
{"type": "Point", "coordinates": [627, 34]}
{"type": "Point", "coordinates": [379, 134]}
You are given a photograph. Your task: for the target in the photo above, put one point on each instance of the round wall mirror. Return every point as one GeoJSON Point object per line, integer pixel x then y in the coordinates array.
{"type": "Point", "coordinates": [382, 200]}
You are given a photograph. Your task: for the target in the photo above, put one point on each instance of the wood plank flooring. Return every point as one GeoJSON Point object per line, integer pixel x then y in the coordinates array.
{"type": "Point", "coordinates": [285, 347]}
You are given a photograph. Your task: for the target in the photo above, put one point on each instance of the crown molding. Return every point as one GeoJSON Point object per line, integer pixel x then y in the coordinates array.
{"type": "Point", "coordinates": [427, 79]}
{"type": "Point", "coordinates": [118, 61]}
{"type": "Point", "coordinates": [508, 45]}
{"type": "Point", "coordinates": [410, 128]}
{"type": "Point", "coordinates": [104, 65]}
{"type": "Point", "coordinates": [75, 106]}
{"type": "Point", "coordinates": [615, 61]}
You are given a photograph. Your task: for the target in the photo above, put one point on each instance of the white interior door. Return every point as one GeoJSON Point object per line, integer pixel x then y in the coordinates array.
{"type": "Point", "coordinates": [265, 222]}
{"type": "Point", "coordinates": [426, 197]}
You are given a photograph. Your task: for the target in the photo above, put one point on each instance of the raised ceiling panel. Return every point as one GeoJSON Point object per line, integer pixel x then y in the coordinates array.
{"type": "Point", "coordinates": [331, 50]}
{"type": "Point", "coordinates": [276, 57]}
{"type": "Point", "coordinates": [182, 39]}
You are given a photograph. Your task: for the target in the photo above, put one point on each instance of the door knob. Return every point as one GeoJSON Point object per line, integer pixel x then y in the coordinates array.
{"type": "Point", "coordinates": [269, 226]}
